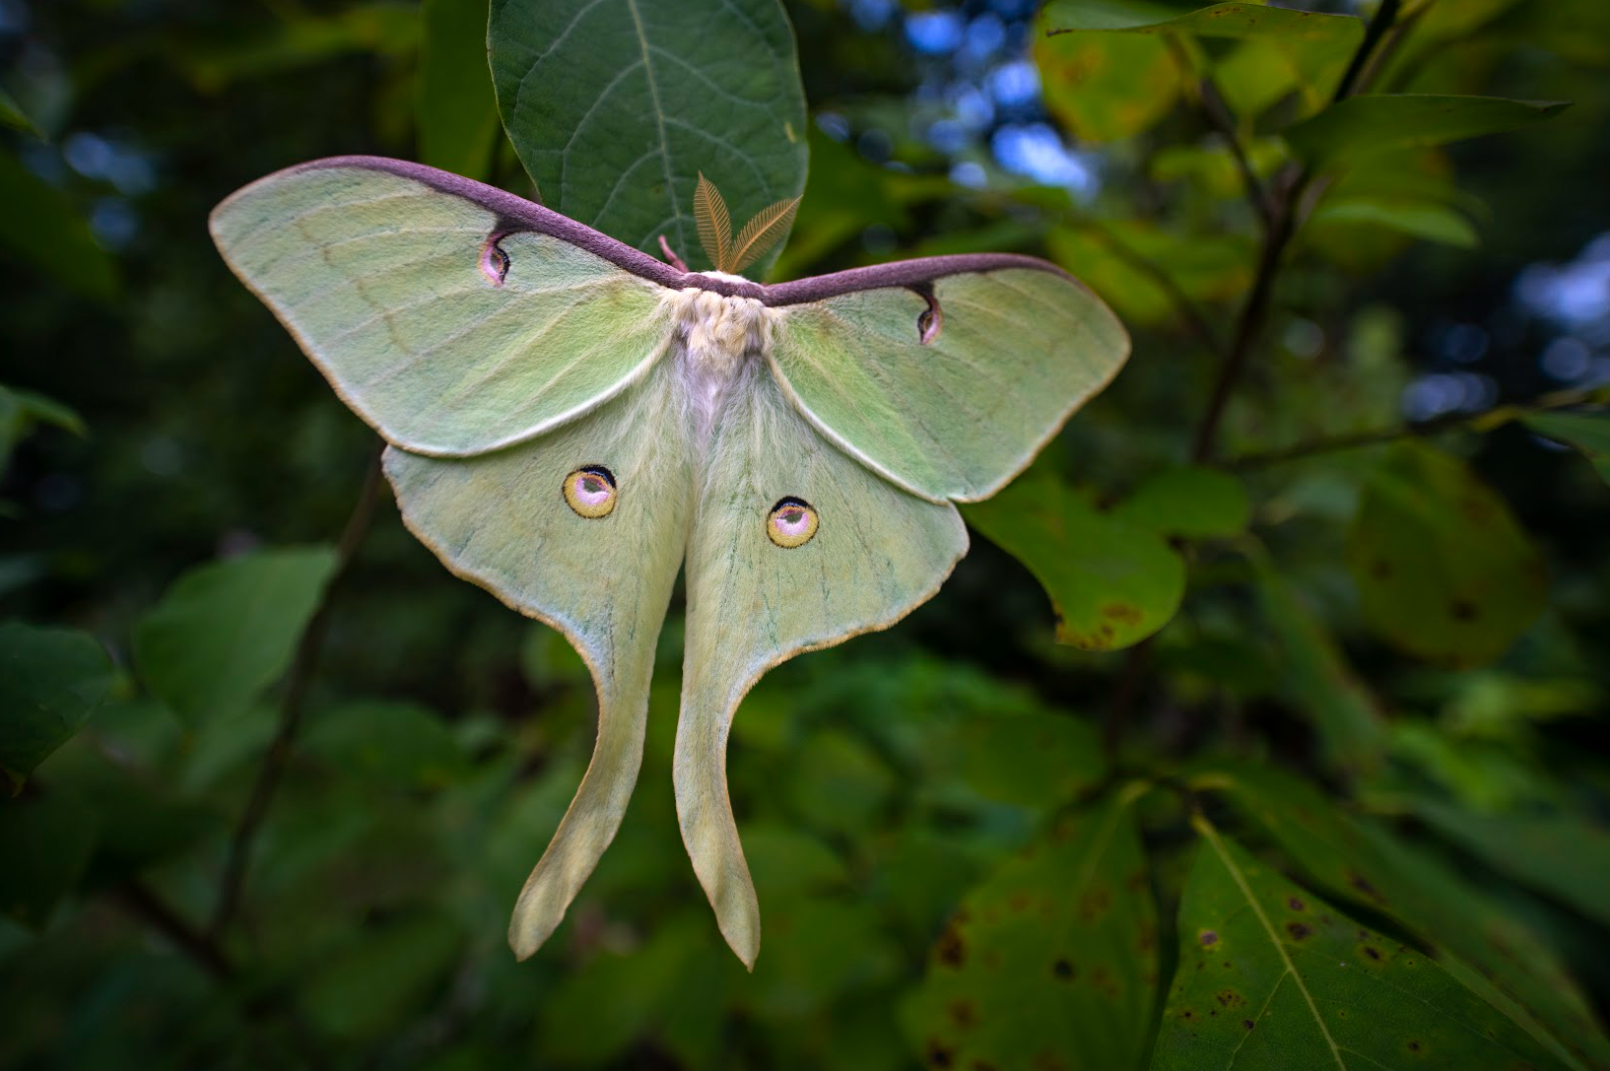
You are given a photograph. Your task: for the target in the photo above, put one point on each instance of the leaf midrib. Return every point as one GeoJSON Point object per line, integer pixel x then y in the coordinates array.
{"type": "Point", "coordinates": [659, 120]}
{"type": "Point", "coordinates": [1211, 835]}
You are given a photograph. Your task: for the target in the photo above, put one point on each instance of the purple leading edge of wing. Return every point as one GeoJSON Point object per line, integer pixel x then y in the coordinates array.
{"type": "Point", "coordinates": [518, 214]}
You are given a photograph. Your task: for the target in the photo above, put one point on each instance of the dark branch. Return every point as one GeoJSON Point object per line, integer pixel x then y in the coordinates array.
{"type": "Point", "coordinates": [233, 881]}
{"type": "Point", "coordinates": [1287, 207]}
{"type": "Point", "coordinates": [1446, 422]}
{"type": "Point", "coordinates": [145, 905]}
{"type": "Point", "coordinates": [1382, 21]}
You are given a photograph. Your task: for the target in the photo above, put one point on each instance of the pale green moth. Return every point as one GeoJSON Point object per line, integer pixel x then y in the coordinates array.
{"type": "Point", "coordinates": [570, 421]}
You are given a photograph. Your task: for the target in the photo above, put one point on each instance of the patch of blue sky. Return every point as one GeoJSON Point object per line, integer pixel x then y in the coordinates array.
{"type": "Point", "coordinates": [935, 33]}
{"type": "Point", "coordinates": [1037, 152]}
{"type": "Point", "coordinates": [1014, 85]}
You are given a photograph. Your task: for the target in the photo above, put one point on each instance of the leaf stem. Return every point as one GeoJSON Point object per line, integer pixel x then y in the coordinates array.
{"type": "Point", "coordinates": [232, 883]}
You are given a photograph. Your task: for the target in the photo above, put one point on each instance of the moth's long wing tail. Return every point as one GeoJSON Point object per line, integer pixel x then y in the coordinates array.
{"type": "Point", "coordinates": [794, 547]}
{"type": "Point", "coordinates": [583, 528]}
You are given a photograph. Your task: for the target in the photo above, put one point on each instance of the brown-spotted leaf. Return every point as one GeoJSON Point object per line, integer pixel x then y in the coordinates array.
{"type": "Point", "coordinates": [1052, 961]}
{"type": "Point", "coordinates": [1443, 569]}
{"type": "Point", "coordinates": [1272, 976]}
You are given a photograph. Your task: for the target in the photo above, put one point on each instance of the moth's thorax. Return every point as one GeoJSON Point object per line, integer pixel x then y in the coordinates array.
{"type": "Point", "coordinates": [717, 335]}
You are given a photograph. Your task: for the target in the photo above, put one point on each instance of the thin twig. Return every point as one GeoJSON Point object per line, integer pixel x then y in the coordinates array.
{"type": "Point", "coordinates": [141, 902]}
{"type": "Point", "coordinates": [1210, 102]}
{"type": "Point", "coordinates": [1434, 425]}
{"type": "Point", "coordinates": [233, 881]}
{"type": "Point", "coordinates": [1384, 17]}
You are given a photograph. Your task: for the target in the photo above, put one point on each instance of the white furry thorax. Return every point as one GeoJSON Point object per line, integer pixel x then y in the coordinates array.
{"type": "Point", "coordinates": [717, 335]}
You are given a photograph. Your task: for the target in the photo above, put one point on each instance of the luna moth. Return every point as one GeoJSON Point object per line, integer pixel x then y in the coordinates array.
{"type": "Point", "coordinates": [570, 422]}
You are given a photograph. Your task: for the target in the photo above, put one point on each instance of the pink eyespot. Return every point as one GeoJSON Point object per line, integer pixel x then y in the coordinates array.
{"type": "Point", "coordinates": [791, 523]}
{"type": "Point", "coordinates": [590, 491]}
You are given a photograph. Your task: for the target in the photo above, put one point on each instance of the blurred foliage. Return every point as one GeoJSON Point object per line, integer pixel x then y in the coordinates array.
{"type": "Point", "coordinates": [1342, 801]}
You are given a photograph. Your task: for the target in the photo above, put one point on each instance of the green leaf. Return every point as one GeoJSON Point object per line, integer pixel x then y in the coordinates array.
{"type": "Point", "coordinates": [1416, 218]}
{"type": "Point", "coordinates": [1102, 88]}
{"type": "Point", "coordinates": [1562, 855]}
{"type": "Point", "coordinates": [400, 745]}
{"type": "Point", "coordinates": [45, 844]}
{"type": "Point", "coordinates": [22, 410]}
{"type": "Point", "coordinates": [50, 681]}
{"type": "Point", "coordinates": [615, 106]}
{"type": "Point", "coordinates": [1270, 975]}
{"type": "Point", "coordinates": [1309, 49]}
{"type": "Point", "coordinates": [1363, 863]}
{"type": "Point", "coordinates": [458, 112]}
{"type": "Point", "coordinates": [1380, 123]}
{"type": "Point", "coordinates": [1194, 502]}
{"type": "Point", "coordinates": [1443, 569]}
{"type": "Point", "coordinates": [382, 978]}
{"type": "Point", "coordinates": [1317, 679]}
{"type": "Point", "coordinates": [12, 115]}
{"type": "Point", "coordinates": [226, 630]}
{"type": "Point", "coordinates": [1052, 961]}
{"type": "Point", "coordinates": [1031, 759]}
{"type": "Point", "coordinates": [1113, 583]}
{"type": "Point", "coordinates": [40, 225]}
{"type": "Point", "coordinates": [1218, 20]}
{"type": "Point", "coordinates": [1588, 432]}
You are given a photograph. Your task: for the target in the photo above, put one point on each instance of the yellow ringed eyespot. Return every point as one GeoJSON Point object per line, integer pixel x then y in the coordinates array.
{"type": "Point", "coordinates": [590, 491]}
{"type": "Point", "coordinates": [791, 523]}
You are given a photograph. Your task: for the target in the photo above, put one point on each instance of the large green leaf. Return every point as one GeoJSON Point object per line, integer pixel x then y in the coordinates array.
{"type": "Point", "coordinates": [1317, 679]}
{"type": "Point", "coordinates": [1588, 432]}
{"type": "Point", "coordinates": [226, 630]}
{"type": "Point", "coordinates": [1359, 861]}
{"type": "Point", "coordinates": [1216, 20]}
{"type": "Point", "coordinates": [1052, 961]}
{"type": "Point", "coordinates": [1308, 49]}
{"type": "Point", "coordinates": [1443, 569]}
{"type": "Point", "coordinates": [1113, 582]}
{"type": "Point", "coordinates": [1559, 854]}
{"type": "Point", "coordinates": [45, 843]}
{"type": "Point", "coordinates": [40, 225]}
{"type": "Point", "coordinates": [50, 681]}
{"type": "Point", "coordinates": [1379, 123]}
{"type": "Point", "coordinates": [616, 106]}
{"type": "Point", "coordinates": [1272, 976]}
{"type": "Point", "coordinates": [1106, 87]}
{"type": "Point", "coordinates": [458, 112]}
{"type": "Point", "coordinates": [1414, 217]}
